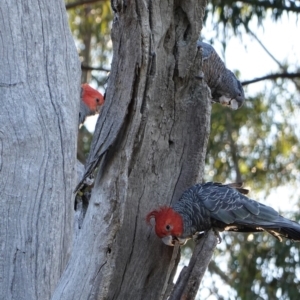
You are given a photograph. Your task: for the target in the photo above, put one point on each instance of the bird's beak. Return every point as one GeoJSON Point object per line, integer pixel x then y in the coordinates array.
{"type": "Point", "coordinates": [98, 109]}
{"type": "Point", "coordinates": [168, 240]}
{"type": "Point", "coordinates": [171, 240]}
{"type": "Point", "coordinates": [240, 101]}
{"type": "Point", "coordinates": [234, 104]}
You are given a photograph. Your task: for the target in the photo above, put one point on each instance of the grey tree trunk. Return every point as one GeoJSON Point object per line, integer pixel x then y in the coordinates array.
{"type": "Point", "coordinates": [155, 125]}
{"type": "Point", "coordinates": [157, 117]}
{"type": "Point", "coordinates": [39, 98]}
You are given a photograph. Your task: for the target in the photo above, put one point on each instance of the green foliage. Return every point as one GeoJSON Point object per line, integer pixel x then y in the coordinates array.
{"type": "Point", "coordinates": [258, 142]}
{"type": "Point", "coordinates": [83, 144]}
{"type": "Point", "coordinates": [90, 25]}
{"type": "Point", "coordinates": [261, 267]}
{"type": "Point", "coordinates": [238, 14]}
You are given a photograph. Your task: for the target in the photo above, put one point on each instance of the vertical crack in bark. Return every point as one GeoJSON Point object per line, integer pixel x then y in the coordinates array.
{"type": "Point", "coordinates": [100, 268]}
{"type": "Point", "coordinates": [116, 295]}
{"type": "Point", "coordinates": [172, 265]}
{"type": "Point", "coordinates": [190, 277]}
{"type": "Point", "coordinates": [173, 200]}
{"type": "Point", "coordinates": [14, 272]}
{"type": "Point", "coordinates": [132, 111]}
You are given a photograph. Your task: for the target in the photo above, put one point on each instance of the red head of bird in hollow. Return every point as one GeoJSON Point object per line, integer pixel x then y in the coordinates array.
{"type": "Point", "coordinates": [91, 97]}
{"type": "Point", "coordinates": [91, 102]}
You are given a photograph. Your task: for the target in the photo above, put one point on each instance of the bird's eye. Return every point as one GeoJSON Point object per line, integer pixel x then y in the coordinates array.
{"type": "Point", "coordinates": [97, 100]}
{"type": "Point", "coordinates": [168, 227]}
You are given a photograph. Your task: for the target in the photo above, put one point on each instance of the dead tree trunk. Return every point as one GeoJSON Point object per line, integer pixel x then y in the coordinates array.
{"type": "Point", "coordinates": [154, 126]}
{"type": "Point", "coordinates": [39, 98]}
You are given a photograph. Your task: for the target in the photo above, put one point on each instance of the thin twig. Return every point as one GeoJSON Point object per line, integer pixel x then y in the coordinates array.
{"type": "Point", "coordinates": [272, 76]}
{"type": "Point", "coordinates": [282, 67]}
{"type": "Point", "coordinates": [265, 48]}
{"type": "Point", "coordinates": [89, 68]}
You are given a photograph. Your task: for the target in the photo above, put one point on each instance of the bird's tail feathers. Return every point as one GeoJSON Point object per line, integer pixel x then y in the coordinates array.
{"type": "Point", "coordinates": [289, 230]}
{"type": "Point", "coordinates": [279, 228]}
{"type": "Point", "coordinates": [292, 233]}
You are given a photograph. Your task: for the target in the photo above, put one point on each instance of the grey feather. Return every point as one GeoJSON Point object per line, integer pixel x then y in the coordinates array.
{"type": "Point", "coordinates": [84, 112]}
{"type": "Point", "coordinates": [208, 205]}
{"type": "Point", "coordinates": [225, 87]}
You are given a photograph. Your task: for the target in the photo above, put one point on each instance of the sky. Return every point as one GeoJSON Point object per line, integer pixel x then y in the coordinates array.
{"type": "Point", "coordinates": [282, 39]}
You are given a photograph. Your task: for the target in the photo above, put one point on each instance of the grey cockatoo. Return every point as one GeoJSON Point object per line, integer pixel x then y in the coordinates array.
{"type": "Point", "coordinates": [224, 86]}
{"type": "Point", "coordinates": [222, 207]}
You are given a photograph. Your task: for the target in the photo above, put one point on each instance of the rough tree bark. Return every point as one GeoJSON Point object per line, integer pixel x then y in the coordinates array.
{"type": "Point", "coordinates": [39, 98]}
{"type": "Point", "coordinates": [187, 285]}
{"type": "Point", "coordinates": [154, 128]}
{"type": "Point", "coordinates": [156, 120]}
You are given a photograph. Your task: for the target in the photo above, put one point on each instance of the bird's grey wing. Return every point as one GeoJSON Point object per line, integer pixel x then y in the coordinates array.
{"type": "Point", "coordinates": [84, 111]}
{"type": "Point", "coordinates": [225, 87]}
{"type": "Point", "coordinates": [230, 87]}
{"type": "Point", "coordinates": [226, 204]}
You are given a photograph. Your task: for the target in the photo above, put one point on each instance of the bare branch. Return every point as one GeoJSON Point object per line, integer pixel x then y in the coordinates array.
{"type": "Point", "coordinates": [272, 77]}
{"type": "Point", "coordinates": [190, 277]}
{"type": "Point", "coordinates": [282, 67]}
{"type": "Point", "coordinates": [89, 68]}
{"type": "Point", "coordinates": [215, 269]}
{"type": "Point", "coordinates": [265, 48]}
{"type": "Point", "coordinates": [78, 3]}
